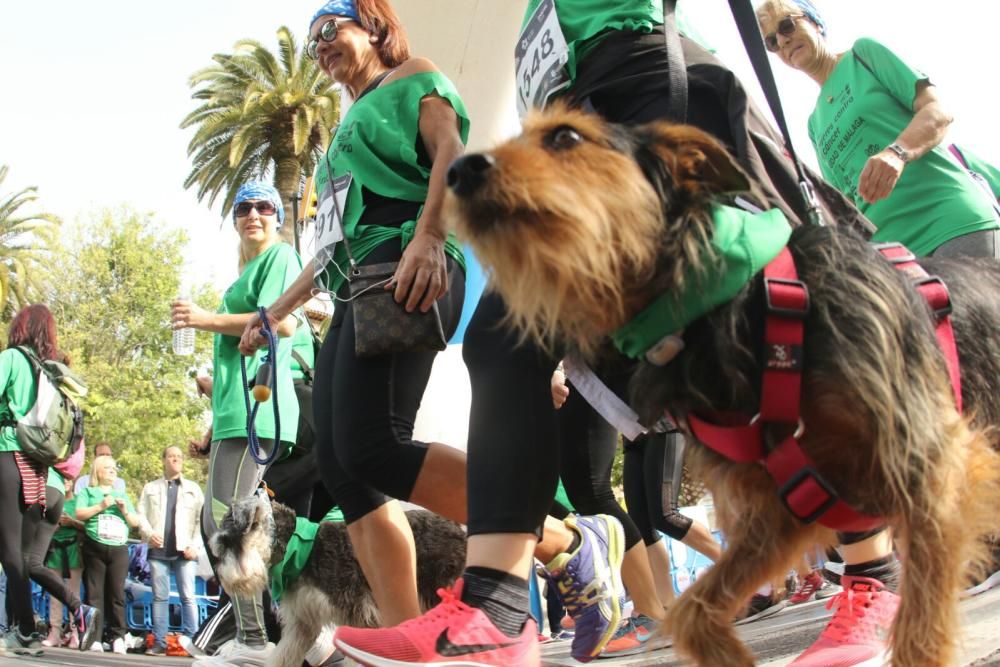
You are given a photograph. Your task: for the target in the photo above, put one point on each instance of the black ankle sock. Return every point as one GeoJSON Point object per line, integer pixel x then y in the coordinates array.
{"type": "Point", "coordinates": [885, 570]}
{"type": "Point", "coordinates": [503, 597]}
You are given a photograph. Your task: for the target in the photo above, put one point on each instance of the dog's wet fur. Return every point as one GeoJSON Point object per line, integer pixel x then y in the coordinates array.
{"type": "Point", "coordinates": [331, 587]}
{"type": "Point", "coordinates": [582, 224]}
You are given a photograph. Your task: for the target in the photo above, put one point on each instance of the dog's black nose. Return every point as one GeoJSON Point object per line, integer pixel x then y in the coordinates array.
{"type": "Point", "coordinates": [467, 173]}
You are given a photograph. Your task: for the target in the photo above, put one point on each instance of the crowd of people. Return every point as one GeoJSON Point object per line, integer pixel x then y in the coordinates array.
{"type": "Point", "coordinates": [879, 129]}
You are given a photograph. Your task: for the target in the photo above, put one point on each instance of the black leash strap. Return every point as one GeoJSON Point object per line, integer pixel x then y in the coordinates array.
{"type": "Point", "coordinates": [676, 69]}
{"type": "Point", "coordinates": [746, 21]}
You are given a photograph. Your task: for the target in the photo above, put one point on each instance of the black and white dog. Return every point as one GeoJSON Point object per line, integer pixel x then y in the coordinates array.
{"type": "Point", "coordinates": [331, 588]}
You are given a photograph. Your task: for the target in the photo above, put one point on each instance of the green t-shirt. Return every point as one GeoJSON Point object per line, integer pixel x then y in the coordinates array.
{"type": "Point", "coordinates": [302, 345]}
{"type": "Point", "coordinates": [857, 114]}
{"type": "Point", "coordinates": [65, 542]}
{"type": "Point", "coordinates": [56, 481]}
{"type": "Point", "coordinates": [17, 394]}
{"type": "Point", "coordinates": [107, 526]}
{"type": "Point", "coordinates": [263, 280]}
{"type": "Point", "coordinates": [377, 144]}
{"type": "Point", "coordinates": [582, 20]}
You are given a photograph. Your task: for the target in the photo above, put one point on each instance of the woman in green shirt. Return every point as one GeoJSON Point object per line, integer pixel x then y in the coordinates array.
{"type": "Point", "coordinates": [267, 267]}
{"type": "Point", "coordinates": [386, 166]}
{"type": "Point", "coordinates": [66, 561]}
{"type": "Point", "coordinates": [30, 505]}
{"type": "Point", "coordinates": [107, 515]}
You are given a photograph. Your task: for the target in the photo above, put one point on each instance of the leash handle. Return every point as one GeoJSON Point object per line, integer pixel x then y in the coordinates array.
{"type": "Point", "coordinates": [265, 386]}
{"type": "Point", "coordinates": [746, 21]}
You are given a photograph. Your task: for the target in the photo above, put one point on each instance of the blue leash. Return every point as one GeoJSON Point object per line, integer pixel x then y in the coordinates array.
{"type": "Point", "coordinates": [265, 385]}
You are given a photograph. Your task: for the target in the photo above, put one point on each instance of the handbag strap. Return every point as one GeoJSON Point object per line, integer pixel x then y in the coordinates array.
{"type": "Point", "coordinates": [676, 68]}
{"type": "Point", "coordinates": [746, 21]}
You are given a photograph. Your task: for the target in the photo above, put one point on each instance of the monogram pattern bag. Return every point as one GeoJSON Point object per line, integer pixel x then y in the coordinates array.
{"type": "Point", "coordinates": [382, 326]}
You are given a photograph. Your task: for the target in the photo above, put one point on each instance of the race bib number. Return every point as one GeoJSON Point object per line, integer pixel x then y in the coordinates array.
{"type": "Point", "coordinates": [540, 59]}
{"type": "Point", "coordinates": [111, 527]}
{"type": "Point", "coordinates": [329, 214]}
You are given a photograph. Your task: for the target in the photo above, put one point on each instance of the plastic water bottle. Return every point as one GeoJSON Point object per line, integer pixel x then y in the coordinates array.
{"type": "Point", "coordinates": [183, 341]}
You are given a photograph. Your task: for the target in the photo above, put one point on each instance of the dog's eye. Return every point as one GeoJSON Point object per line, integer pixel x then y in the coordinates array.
{"type": "Point", "coordinates": [563, 138]}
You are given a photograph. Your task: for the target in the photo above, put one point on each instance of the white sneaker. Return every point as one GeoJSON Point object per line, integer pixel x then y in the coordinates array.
{"type": "Point", "coordinates": [237, 654]}
{"type": "Point", "coordinates": [118, 646]}
{"type": "Point", "coordinates": [97, 647]}
{"type": "Point", "coordinates": [322, 648]}
{"type": "Point", "coordinates": [986, 584]}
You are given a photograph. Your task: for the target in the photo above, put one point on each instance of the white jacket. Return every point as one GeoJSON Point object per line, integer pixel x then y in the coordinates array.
{"type": "Point", "coordinates": [187, 517]}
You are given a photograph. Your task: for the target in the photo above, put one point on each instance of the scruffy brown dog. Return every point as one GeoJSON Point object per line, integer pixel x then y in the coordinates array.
{"type": "Point", "coordinates": [584, 224]}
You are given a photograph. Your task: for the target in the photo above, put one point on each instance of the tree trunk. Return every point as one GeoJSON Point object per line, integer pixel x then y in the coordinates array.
{"type": "Point", "coordinates": [287, 175]}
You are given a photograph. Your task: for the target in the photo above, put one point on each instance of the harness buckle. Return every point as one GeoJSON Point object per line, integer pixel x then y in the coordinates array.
{"type": "Point", "coordinates": [801, 476]}
{"type": "Point", "coordinates": [938, 300]}
{"type": "Point", "coordinates": [894, 253]}
{"type": "Point", "coordinates": [792, 304]}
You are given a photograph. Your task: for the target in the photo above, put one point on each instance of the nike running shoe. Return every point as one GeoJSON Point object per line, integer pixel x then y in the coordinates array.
{"type": "Point", "coordinates": [451, 633]}
{"type": "Point", "coordinates": [88, 625]}
{"type": "Point", "coordinates": [859, 630]}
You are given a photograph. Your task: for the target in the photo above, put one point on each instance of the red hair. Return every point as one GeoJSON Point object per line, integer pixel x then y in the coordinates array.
{"type": "Point", "coordinates": [380, 19]}
{"type": "Point", "coordinates": [35, 327]}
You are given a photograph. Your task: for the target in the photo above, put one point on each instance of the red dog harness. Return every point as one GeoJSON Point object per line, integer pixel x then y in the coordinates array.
{"type": "Point", "coordinates": [806, 494]}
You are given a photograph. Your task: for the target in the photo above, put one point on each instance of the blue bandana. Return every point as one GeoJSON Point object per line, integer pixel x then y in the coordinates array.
{"type": "Point", "coordinates": [339, 8]}
{"type": "Point", "coordinates": [812, 13]}
{"type": "Point", "coordinates": [260, 190]}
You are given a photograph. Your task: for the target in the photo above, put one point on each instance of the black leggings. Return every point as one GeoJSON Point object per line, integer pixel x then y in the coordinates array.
{"type": "Point", "coordinates": [587, 446]}
{"type": "Point", "coordinates": [12, 530]}
{"type": "Point", "coordinates": [104, 571]}
{"type": "Point", "coordinates": [654, 464]}
{"type": "Point", "coordinates": [38, 529]}
{"type": "Point", "coordinates": [365, 407]}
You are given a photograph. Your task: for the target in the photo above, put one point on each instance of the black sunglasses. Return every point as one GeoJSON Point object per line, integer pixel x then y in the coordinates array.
{"type": "Point", "coordinates": [786, 27]}
{"type": "Point", "coordinates": [327, 32]}
{"type": "Point", "coordinates": [263, 207]}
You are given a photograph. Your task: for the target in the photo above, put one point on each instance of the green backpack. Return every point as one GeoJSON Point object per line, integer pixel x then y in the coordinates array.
{"type": "Point", "coordinates": [52, 431]}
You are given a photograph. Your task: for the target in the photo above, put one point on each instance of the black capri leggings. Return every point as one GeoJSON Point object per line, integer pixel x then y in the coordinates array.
{"type": "Point", "coordinates": [39, 527]}
{"type": "Point", "coordinates": [654, 464]}
{"type": "Point", "coordinates": [365, 407]}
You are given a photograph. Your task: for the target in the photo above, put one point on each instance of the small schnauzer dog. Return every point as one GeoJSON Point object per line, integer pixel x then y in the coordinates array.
{"type": "Point", "coordinates": [583, 224]}
{"type": "Point", "coordinates": [331, 588]}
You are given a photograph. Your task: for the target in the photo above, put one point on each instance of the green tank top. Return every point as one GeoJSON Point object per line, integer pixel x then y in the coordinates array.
{"type": "Point", "coordinates": [376, 144]}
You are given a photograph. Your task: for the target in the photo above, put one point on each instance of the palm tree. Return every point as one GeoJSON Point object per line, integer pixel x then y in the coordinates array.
{"type": "Point", "coordinates": [24, 240]}
{"type": "Point", "coordinates": [260, 115]}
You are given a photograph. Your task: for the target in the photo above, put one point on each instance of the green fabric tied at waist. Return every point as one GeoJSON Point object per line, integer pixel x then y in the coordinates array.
{"type": "Point", "coordinates": [297, 553]}
{"type": "Point", "coordinates": [744, 244]}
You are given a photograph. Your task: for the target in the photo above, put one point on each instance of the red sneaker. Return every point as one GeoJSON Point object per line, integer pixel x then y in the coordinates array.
{"type": "Point", "coordinates": [857, 633]}
{"type": "Point", "coordinates": [811, 583]}
{"type": "Point", "coordinates": [452, 633]}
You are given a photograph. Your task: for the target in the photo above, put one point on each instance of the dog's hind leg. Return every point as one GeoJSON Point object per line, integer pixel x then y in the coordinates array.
{"type": "Point", "coordinates": [942, 534]}
{"type": "Point", "coordinates": [763, 540]}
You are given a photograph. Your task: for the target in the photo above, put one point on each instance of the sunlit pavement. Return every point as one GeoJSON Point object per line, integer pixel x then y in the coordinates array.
{"type": "Point", "coordinates": [775, 640]}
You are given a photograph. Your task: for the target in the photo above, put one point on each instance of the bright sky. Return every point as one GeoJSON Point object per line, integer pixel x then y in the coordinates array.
{"type": "Point", "coordinates": [93, 92]}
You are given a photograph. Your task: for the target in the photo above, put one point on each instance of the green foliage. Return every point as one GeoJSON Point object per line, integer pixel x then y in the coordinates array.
{"type": "Point", "coordinates": [24, 241]}
{"type": "Point", "coordinates": [259, 113]}
{"type": "Point", "coordinates": [111, 299]}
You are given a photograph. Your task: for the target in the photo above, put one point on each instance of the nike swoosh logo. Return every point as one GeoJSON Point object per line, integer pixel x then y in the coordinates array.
{"type": "Point", "coordinates": [447, 649]}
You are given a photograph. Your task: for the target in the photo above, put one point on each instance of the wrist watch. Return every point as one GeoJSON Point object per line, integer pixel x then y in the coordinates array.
{"type": "Point", "coordinates": [900, 152]}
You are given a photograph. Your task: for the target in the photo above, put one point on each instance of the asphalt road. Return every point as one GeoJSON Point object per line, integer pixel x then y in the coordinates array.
{"type": "Point", "coordinates": [775, 640]}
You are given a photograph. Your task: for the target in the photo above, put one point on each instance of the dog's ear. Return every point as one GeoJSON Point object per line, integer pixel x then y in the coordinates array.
{"type": "Point", "coordinates": [699, 162]}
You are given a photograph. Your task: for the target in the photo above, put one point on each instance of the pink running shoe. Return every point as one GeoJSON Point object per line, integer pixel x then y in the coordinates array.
{"type": "Point", "coordinates": [807, 589]}
{"type": "Point", "coordinates": [857, 633]}
{"type": "Point", "coordinates": [452, 633]}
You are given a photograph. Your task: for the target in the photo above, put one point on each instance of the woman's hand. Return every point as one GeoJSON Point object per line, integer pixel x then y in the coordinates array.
{"type": "Point", "coordinates": [199, 449]}
{"type": "Point", "coordinates": [421, 276]}
{"type": "Point", "coordinates": [204, 384]}
{"type": "Point", "coordinates": [560, 392]}
{"type": "Point", "coordinates": [880, 175]}
{"type": "Point", "coordinates": [107, 501]}
{"type": "Point", "coordinates": [253, 337]}
{"type": "Point", "coordinates": [188, 314]}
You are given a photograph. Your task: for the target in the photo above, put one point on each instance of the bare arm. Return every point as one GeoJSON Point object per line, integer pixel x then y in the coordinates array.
{"type": "Point", "coordinates": [188, 314]}
{"type": "Point", "coordinates": [926, 129]}
{"type": "Point", "coordinates": [292, 298]}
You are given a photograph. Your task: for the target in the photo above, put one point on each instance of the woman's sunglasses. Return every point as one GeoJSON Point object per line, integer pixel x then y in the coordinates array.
{"type": "Point", "coordinates": [786, 27]}
{"type": "Point", "coordinates": [327, 32]}
{"type": "Point", "coordinates": [263, 207]}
